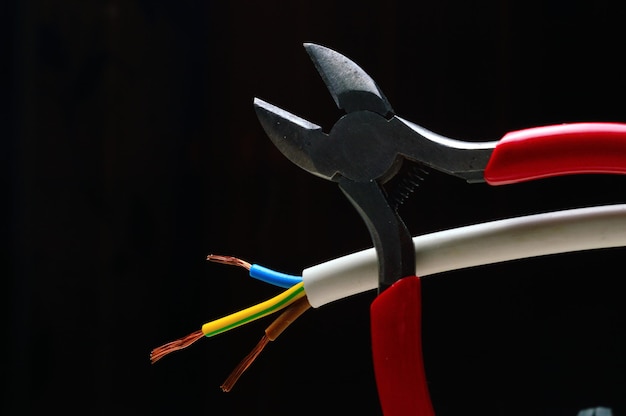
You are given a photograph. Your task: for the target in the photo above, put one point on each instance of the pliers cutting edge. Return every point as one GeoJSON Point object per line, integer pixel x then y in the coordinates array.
{"type": "Point", "coordinates": [367, 147]}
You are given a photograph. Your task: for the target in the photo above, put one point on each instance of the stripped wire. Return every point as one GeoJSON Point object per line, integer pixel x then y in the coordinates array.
{"type": "Point", "coordinates": [229, 260]}
{"type": "Point", "coordinates": [258, 272]}
{"type": "Point", "coordinates": [170, 347]}
{"type": "Point", "coordinates": [289, 315]}
{"type": "Point", "coordinates": [234, 320]}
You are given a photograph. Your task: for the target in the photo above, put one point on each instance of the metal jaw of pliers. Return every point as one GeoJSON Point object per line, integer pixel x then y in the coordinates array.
{"type": "Point", "coordinates": [363, 150]}
{"type": "Point", "coordinates": [367, 147]}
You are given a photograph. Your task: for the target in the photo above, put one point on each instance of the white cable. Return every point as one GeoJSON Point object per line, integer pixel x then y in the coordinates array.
{"type": "Point", "coordinates": [474, 245]}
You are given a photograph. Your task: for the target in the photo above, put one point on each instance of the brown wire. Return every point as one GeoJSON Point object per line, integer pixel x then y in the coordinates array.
{"type": "Point", "coordinates": [286, 318]}
{"type": "Point", "coordinates": [170, 347]}
{"type": "Point", "coordinates": [272, 332]}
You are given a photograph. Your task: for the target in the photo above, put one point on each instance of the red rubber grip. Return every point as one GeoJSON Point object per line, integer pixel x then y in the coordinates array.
{"type": "Point", "coordinates": [557, 150]}
{"type": "Point", "coordinates": [396, 321]}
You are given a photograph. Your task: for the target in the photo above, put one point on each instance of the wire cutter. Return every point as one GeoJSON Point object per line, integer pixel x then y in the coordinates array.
{"type": "Point", "coordinates": [368, 146]}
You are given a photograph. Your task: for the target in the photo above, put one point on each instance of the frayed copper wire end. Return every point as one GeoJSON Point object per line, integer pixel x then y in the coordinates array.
{"type": "Point", "coordinates": [291, 313]}
{"type": "Point", "coordinates": [229, 260]}
{"type": "Point", "coordinates": [179, 344]}
{"type": "Point", "coordinates": [243, 365]}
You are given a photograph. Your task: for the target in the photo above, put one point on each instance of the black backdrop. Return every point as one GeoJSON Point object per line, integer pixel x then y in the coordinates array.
{"type": "Point", "coordinates": [131, 150]}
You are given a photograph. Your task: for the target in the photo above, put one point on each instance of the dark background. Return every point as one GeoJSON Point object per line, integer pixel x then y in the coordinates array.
{"type": "Point", "coordinates": [130, 150]}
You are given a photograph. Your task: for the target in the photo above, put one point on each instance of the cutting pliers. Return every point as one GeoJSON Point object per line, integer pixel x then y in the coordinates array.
{"type": "Point", "coordinates": [368, 146]}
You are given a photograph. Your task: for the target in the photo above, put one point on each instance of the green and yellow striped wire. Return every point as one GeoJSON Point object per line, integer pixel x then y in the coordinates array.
{"type": "Point", "coordinates": [252, 313]}
{"type": "Point", "coordinates": [234, 320]}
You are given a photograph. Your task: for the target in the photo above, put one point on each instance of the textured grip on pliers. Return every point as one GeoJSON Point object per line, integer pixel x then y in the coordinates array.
{"type": "Point", "coordinates": [565, 149]}
{"type": "Point", "coordinates": [396, 320]}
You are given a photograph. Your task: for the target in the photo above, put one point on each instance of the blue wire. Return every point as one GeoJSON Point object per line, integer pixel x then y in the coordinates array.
{"type": "Point", "coordinates": [273, 277]}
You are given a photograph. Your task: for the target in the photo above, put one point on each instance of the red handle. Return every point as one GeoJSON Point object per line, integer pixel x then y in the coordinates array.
{"type": "Point", "coordinates": [396, 320]}
{"type": "Point", "coordinates": [542, 152]}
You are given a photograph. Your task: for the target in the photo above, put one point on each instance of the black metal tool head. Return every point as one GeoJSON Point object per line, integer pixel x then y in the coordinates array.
{"type": "Point", "coordinates": [360, 152]}
{"type": "Point", "coordinates": [364, 149]}
{"type": "Point", "coordinates": [357, 147]}
{"type": "Point", "coordinates": [302, 142]}
{"type": "Point", "coordinates": [351, 87]}
{"type": "Point", "coordinates": [369, 142]}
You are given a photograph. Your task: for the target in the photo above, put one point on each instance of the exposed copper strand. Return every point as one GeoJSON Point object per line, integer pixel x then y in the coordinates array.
{"type": "Point", "coordinates": [170, 347]}
{"type": "Point", "coordinates": [271, 333]}
{"type": "Point", "coordinates": [243, 365]}
{"type": "Point", "coordinates": [229, 260]}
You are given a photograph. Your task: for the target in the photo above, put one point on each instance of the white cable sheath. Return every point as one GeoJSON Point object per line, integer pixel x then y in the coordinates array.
{"type": "Point", "coordinates": [474, 245]}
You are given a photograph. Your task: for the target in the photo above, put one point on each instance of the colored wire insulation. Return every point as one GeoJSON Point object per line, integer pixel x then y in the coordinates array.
{"type": "Point", "coordinates": [234, 320]}
{"type": "Point", "coordinates": [254, 312]}
{"type": "Point", "coordinates": [475, 245]}
{"type": "Point", "coordinates": [273, 277]}
{"type": "Point", "coordinates": [289, 315]}
{"type": "Point", "coordinates": [258, 272]}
